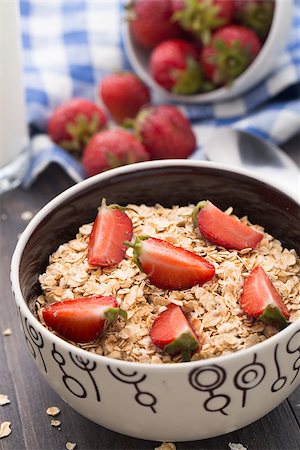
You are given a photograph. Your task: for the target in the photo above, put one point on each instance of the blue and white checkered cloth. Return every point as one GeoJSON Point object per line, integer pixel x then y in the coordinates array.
{"type": "Point", "coordinates": [69, 45]}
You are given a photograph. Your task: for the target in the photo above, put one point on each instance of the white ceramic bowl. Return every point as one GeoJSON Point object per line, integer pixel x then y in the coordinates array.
{"type": "Point", "coordinates": [257, 71]}
{"type": "Point", "coordinates": [175, 402]}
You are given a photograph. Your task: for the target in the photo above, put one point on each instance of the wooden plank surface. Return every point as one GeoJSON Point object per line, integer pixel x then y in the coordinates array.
{"type": "Point", "coordinates": [30, 395]}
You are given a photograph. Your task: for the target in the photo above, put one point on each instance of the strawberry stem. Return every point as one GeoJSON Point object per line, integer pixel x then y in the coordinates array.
{"type": "Point", "coordinates": [186, 344]}
{"type": "Point", "coordinates": [196, 210]}
{"type": "Point", "coordinates": [272, 314]}
{"type": "Point", "coordinates": [112, 313]}
{"type": "Point", "coordinates": [199, 18]}
{"type": "Point", "coordinates": [137, 247]}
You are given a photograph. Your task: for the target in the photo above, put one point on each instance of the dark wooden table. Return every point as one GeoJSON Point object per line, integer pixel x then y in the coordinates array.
{"type": "Point", "coordinates": [30, 395]}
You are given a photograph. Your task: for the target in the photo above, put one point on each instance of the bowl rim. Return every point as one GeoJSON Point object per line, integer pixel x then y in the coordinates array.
{"type": "Point", "coordinates": [223, 93]}
{"type": "Point", "coordinates": [55, 202]}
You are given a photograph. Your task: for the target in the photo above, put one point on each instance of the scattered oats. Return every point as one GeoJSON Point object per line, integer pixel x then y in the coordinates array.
{"type": "Point", "coordinates": [26, 215]}
{"type": "Point", "coordinates": [234, 446]}
{"type": "Point", "coordinates": [4, 216]}
{"type": "Point", "coordinates": [7, 332]}
{"type": "Point", "coordinates": [53, 411]}
{"type": "Point", "coordinates": [4, 400]}
{"type": "Point", "coordinates": [166, 446]}
{"type": "Point", "coordinates": [5, 429]}
{"type": "Point", "coordinates": [55, 422]}
{"type": "Point", "coordinates": [212, 309]}
{"type": "Point", "coordinates": [70, 445]}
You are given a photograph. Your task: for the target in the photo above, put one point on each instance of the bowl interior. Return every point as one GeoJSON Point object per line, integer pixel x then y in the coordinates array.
{"type": "Point", "coordinates": [168, 185]}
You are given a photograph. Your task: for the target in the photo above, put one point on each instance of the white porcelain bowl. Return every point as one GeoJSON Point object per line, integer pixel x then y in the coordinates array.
{"type": "Point", "coordinates": [257, 71]}
{"type": "Point", "coordinates": [164, 402]}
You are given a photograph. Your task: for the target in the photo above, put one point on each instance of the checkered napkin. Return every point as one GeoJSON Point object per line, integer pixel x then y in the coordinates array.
{"type": "Point", "coordinates": [69, 45]}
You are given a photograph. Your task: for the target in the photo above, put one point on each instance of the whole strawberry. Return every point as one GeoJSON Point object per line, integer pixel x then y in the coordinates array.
{"type": "Point", "coordinates": [232, 50]}
{"type": "Point", "coordinates": [201, 17]}
{"type": "Point", "coordinates": [72, 124]}
{"type": "Point", "coordinates": [123, 95]}
{"type": "Point", "coordinates": [150, 22]}
{"type": "Point", "coordinates": [174, 66]}
{"type": "Point", "coordinates": [255, 14]}
{"type": "Point", "coordinates": [112, 148]}
{"type": "Point", "coordinates": [165, 132]}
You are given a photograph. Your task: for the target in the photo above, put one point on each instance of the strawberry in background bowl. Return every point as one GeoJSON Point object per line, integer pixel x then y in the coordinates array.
{"type": "Point", "coordinates": [235, 45]}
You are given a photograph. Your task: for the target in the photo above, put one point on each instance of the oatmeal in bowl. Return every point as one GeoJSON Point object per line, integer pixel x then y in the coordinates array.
{"type": "Point", "coordinates": [207, 289]}
{"type": "Point", "coordinates": [152, 314]}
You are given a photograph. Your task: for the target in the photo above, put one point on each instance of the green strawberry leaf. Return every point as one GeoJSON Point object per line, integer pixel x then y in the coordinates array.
{"type": "Point", "coordinates": [185, 344]}
{"type": "Point", "coordinates": [188, 81]}
{"type": "Point", "coordinates": [112, 313]}
{"type": "Point", "coordinates": [199, 18]}
{"type": "Point", "coordinates": [272, 314]}
{"type": "Point", "coordinates": [196, 210]}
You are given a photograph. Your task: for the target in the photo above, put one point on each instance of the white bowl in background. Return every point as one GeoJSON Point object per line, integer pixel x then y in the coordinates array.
{"type": "Point", "coordinates": [257, 71]}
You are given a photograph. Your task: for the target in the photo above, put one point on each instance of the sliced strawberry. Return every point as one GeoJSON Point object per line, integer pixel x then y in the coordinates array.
{"type": "Point", "coordinates": [82, 319]}
{"type": "Point", "coordinates": [170, 267]}
{"type": "Point", "coordinates": [261, 300]}
{"type": "Point", "coordinates": [173, 334]}
{"type": "Point", "coordinates": [111, 228]}
{"type": "Point", "coordinates": [224, 230]}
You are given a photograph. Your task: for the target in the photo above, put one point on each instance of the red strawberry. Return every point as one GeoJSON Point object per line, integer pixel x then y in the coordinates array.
{"type": "Point", "coordinates": [72, 124]}
{"type": "Point", "coordinates": [82, 319]}
{"type": "Point", "coordinates": [170, 267]}
{"type": "Point", "coordinates": [165, 132]}
{"type": "Point", "coordinates": [173, 334]}
{"type": "Point", "coordinates": [232, 50]}
{"type": "Point", "coordinates": [123, 94]}
{"type": "Point", "coordinates": [255, 14]}
{"type": "Point", "coordinates": [110, 229]}
{"type": "Point", "coordinates": [112, 148]}
{"type": "Point", "coordinates": [224, 230]}
{"type": "Point", "coordinates": [174, 66]}
{"type": "Point", "coordinates": [200, 17]}
{"type": "Point", "coordinates": [150, 22]}
{"type": "Point", "coordinates": [261, 300]}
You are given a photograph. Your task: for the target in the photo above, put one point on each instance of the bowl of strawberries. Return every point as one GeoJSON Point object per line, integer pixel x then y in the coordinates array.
{"type": "Point", "coordinates": [205, 50]}
{"type": "Point", "coordinates": [161, 299]}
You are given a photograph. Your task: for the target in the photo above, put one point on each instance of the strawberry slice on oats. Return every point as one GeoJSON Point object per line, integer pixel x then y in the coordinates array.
{"type": "Point", "coordinates": [261, 300]}
{"type": "Point", "coordinates": [172, 333]}
{"type": "Point", "coordinates": [111, 228]}
{"type": "Point", "coordinates": [221, 229]}
{"type": "Point", "coordinates": [82, 319]}
{"type": "Point", "coordinates": [168, 266]}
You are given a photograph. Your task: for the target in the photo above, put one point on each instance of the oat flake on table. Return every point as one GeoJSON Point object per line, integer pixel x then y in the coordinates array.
{"type": "Point", "coordinates": [27, 215]}
{"type": "Point", "coordinates": [234, 446]}
{"type": "Point", "coordinates": [5, 429]}
{"type": "Point", "coordinates": [55, 422]}
{"type": "Point", "coordinates": [166, 446]}
{"type": "Point", "coordinates": [7, 332]}
{"type": "Point", "coordinates": [70, 445]}
{"type": "Point", "coordinates": [4, 400]}
{"type": "Point", "coordinates": [212, 309]}
{"type": "Point", "coordinates": [52, 411]}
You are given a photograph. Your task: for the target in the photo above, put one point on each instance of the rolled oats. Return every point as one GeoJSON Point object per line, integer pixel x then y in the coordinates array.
{"type": "Point", "coordinates": [53, 411]}
{"type": "Point", "coordinates": [212, 309]}
{"type": "Point", "coordinates": [166, 446]}
{"type": "Point", "coordinates": [5, 429]}
{"type": "Point", "coordinates": [4, 400]}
